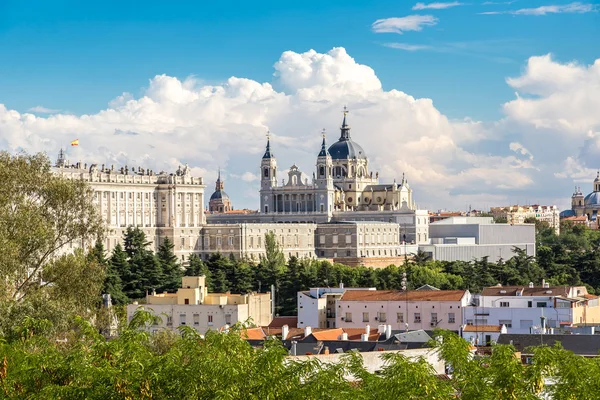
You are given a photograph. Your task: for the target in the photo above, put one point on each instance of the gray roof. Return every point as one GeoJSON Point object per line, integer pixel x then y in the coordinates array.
{"type": "Point", "coordinates": [585, 345]}
{"type": "Point", "coordinates": [592, 199]}
{"type": "Point", "coordinates": [345, 149]}
{"type": "Point", "coordinates": [219, 194]}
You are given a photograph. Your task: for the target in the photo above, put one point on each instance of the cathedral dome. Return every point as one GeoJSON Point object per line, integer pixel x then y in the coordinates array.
{"type": "Point", "coordinates": [219, 195]}
{"type": "Point", "coordinates": [345, 149]}
{"type": "Point", "coordinates": [592, 199]}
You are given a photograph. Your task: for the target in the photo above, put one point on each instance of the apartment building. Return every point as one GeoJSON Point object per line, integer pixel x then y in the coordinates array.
{"type": "Point", "coordinates": [533, 308]}
{"type": "Point", "coordinates": [418, 309]}
{"type": "Point", "coordinates": [193, 306]}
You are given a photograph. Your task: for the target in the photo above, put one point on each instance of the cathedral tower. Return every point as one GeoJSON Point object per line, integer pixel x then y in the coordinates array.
{"type": "Point", "coordinates": [268, 179]}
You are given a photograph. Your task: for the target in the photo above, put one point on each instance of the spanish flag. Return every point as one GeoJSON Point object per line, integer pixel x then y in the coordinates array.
{"type": "Point", "coordinates": [75, 142]}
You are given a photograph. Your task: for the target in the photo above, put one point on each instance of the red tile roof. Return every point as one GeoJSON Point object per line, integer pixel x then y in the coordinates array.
{"type": "Point", "coordinates": [396, 295]}
{"type": "Point", "coordinates": [329, 334]}
{"type": "Point", "coordinates": [253, 334]}
{"type": "Point", "coordinates": [278, 322]}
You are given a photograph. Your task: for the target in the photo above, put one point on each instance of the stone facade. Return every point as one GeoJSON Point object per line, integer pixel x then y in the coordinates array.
{"type": "Point", "coordinates": [518, 214]}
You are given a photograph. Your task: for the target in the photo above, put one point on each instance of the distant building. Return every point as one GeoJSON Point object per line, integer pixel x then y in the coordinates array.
{"type": "Point", "coordinates": [417, 309]}
{"type": "Point", "coordinates": [193, 306]}
{"type": "Point", "coordinates": [219, 200]}
{"type": "Point", "coordinates": [469, 238]}
{"type": "Point", "coordinates": [518, 214]}
{"type": "Point", "coordinates": [531, 309]}
{"type": "Point", "coordinates": [588, 205]}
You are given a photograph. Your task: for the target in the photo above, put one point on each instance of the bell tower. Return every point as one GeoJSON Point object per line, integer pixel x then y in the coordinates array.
{"type": "Point", "coordinates": [268, 179]}
{"type": "Point", "coordinates": [324, 167]}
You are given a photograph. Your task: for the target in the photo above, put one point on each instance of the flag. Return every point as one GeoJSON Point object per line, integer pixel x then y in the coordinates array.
{"type": "Point", "coordinates": [75, 142]}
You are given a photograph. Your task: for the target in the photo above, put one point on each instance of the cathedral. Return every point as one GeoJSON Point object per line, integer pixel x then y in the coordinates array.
{"type": "Point", "coordinates": [342, 182]}
{"type": "Point", "coordinates": [588, 205]}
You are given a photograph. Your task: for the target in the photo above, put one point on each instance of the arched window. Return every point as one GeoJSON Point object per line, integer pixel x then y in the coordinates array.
{"type": "Point", "coordinates": [322, 171]}
{"type": "Point", "coordinates": [266, 172]}
{"type": "Point", "coordinates": [266, 209]}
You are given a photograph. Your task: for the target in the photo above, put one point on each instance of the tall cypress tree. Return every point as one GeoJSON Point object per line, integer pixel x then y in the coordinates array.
{"type": "Point", "coordinates": [171, 268]}
{"type": "Point", "coordinates": [113, 284]}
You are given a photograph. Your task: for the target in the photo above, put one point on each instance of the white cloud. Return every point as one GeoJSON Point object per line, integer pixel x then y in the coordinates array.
{"type": "Point", "coordinates": [403, 24]}
{"type": "Point", "coordinates": [449, 163]}
{"type": "Point", "coordinates": [43, 110]}
{"type": "Point", "coordinates": [407, 46]}
{"type": "Point", "coordinates": [571, 8]}
{"type": "Point", "coordinates": [518, 148]}
{"type": "Point", "coordinates": [436, 6]}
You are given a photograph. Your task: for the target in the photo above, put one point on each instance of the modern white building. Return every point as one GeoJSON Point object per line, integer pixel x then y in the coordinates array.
{"type": "Point", "coordinates": [193, 306]}
{"type": "Point", "coordinates": [533, 308]}
{"type": "Point", "coordinates": [418, 309]}
{"type": "Point", "coordinates": [469, 238]}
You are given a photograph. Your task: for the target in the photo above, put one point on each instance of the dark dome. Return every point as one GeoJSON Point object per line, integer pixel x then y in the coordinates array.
{"type": "Point", "coordinates": [346, 149]}
{"type": "Point", "coordinates": [219, 194]}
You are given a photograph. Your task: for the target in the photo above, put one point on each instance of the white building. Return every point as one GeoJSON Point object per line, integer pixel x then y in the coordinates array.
{"type": "Point", "coordinates": [193, 306]}
{"type": "Point", "coordinates": [533, 308]}
{"type": "Point", "coordinates": [418, 309]}
{"type": "Point", "coordinates": [518, 214]}
{"type": "Point", "coordinates": [468, 238]}
{"type": "Point", "coordinates": [317, 306]}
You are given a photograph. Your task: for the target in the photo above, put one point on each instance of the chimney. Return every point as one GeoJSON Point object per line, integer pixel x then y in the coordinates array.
{"type": "Point", "coordinates": [326, 351]}
{"type": "Point", "coordinates": [381, 329]}
{"type": "Point", "coordinates": [341, 285]}
{"type": "Point", "coordinates": [293, 348]}
{"type": "Point", "coordinates": [344, 336]}
{"type": "Point", "coordinates": [364, 337]}
{"type": "Point", "coordinates": [530, 285]}
{"type": "Point", "coordinates": [368, 330]}
{"type": "Point", "coordinates": [285, 330]}
{"type": "Point", "coordinates": [307, 331]}
{"type": "Point", "coordinates": [388, 332]}
{"type": "Point", "coordinates": [544, 284]}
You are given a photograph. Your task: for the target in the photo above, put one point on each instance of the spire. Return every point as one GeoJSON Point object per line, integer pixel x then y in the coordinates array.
{"type": "Point", "coordinates": [345, 129]}
{"type": "Point", "coordinates": [324, 152]}
{"type": "Point", "coordinates": [61, 161]}
{"type": "Point", "coordinates": [268, 149]}
{"type": "Point", "coordinates": [220, 184]}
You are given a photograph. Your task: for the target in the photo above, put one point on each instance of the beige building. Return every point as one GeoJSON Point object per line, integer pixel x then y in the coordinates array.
{"type": "Point", "coordinates": [418, 309]}
{"type": "Point", "coordinates": [193, 306]}
{"type": "Point", "coordinates": [516, 215]}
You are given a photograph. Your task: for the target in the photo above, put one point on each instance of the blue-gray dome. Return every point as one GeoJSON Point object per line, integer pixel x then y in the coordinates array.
{"type": "Point", "coordinates": [345, 148]}
{"type": "Point", "coordinates": [219, 194]}
{"type": "Point", "coordinates": [592, 199]}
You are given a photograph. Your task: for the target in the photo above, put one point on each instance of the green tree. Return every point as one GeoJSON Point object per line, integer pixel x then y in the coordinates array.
{"type": "Point", "coordinates": [171, 269]}
{"type": "Point", "coordinates": [113, 284]}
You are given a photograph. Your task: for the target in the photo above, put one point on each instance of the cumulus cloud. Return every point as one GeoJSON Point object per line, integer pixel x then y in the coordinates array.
{"type": "Point", "coordinates": [449, 163]}
{"type": "Point", "coordinates": [436, 6]}
{"type": "Point", "coordinates": [403, 24]}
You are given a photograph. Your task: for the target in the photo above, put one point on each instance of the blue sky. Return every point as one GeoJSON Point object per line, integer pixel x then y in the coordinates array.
{"type": "Point", "coordinates": [76, 56]}
{"type": "Point", "coordinates": [514, 90]}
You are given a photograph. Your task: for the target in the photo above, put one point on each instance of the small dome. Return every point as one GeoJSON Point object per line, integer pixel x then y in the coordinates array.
{"type": "Point", "coordinates": [592, 199]}
{"type": "Point", "coordinates": [219, 194]}
{"type": "Point", "coordinates": [345, 149]}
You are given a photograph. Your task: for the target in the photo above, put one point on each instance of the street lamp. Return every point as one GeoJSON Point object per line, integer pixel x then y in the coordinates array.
{"type": "Point", "coordinates": [405, 288]}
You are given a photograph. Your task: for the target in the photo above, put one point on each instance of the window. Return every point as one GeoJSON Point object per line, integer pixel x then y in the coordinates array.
{"type": "Point", "coordinates": [230, 240]}
{"type": "Point", "coordinates": [196, 319]}
{"type": "Point", "coordinates": [504, 304]}
{"type": "Point", "coordinates": [469, 322]}
{"type": "Point", "coordinates": [529, 304]}
{"type": "Point", "coordinates": [182, 319]}
{"type": "Point", "coordinates": [365, 317]}
{"type": "Point", "coordinates": [506, 322]}
{"type": "Point", "coordinates": [348, 239]}
{"type": "Point", "coordinates": [266, 172]}
{"type": "Point", "coordinates": [541, 304]}
{"type": "Point", "coordinates": [210, 319]}
{"type": "Point", "coordinates": [182, 242]}
{"type": "Point", "coordinates": [186, 301]}
{"type": "Point", "coordinates": [434, 319]}
{"type": "Point", "coordinates": [400, 317]}
{"type": "Point", "coordinates": [451, 318]}
{"type": "Point", "coordinates": [418, 317]}
{"type": "Point", "coordinates": [228, 319]}
{"type": "Point", "coordinates": [348, 317]}
{"type": "Point", "coordinates": [335, 239]}
{"type": "Point", "coordinates": [382, 317]}
{"type": "Point", "coordinates": [218, 241]}
{"type": "Point", "coordinates": [169, 321]}
{"type": "Point", "coordinates": [206, 241]}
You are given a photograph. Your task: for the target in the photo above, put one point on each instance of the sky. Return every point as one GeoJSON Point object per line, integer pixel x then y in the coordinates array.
{"type": "Point", "coordinates": [480, 103]}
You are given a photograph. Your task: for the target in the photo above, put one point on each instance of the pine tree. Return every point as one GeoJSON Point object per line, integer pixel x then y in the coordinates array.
{"type": "Point", "coordinates": [112, 281]}
{"type": "Point", "coordinates": [135, 241]}
{"type": "Point", "coordinates": [171, 269]}
{"type": "Point", "coordinates": [120, 266]}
